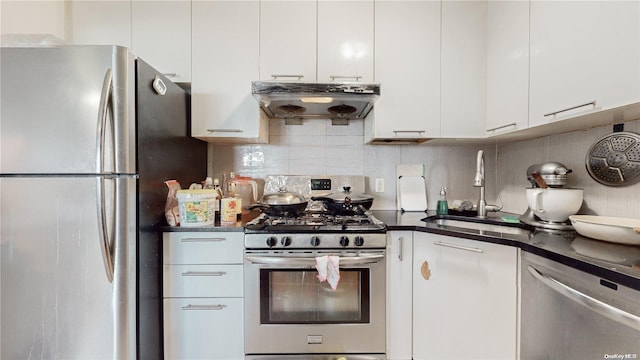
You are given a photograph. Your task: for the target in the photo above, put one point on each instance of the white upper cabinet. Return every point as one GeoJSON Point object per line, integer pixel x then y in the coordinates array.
{"type": "Point", "coordinates": [225, 58]}
{"type": "Point", "coordinates": [345, 41]}
{"type": "Point", "coordinates": [99, 22]}
{"type": "Point", "coordinates": [463, 82]}
{"type": "Point", "coordinates": [507, 66]}
{"type": "Point", "coordinates": [407, 66]}
{"type": "Point", "coordinates": [161, 36]}
{"type": "Point", "coordinates": [31, 18]}
{"type": "Point", "coordinates": [288, 40]}
{"type": "Point", "coordinates": [585, 57]}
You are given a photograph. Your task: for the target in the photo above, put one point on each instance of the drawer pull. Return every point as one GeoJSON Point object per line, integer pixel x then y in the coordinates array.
{"type": "Point", "coordinates": [593, 103]}
{"type": "Point", "coordinates": [342, 77]}
{"type": "Point", "coordinates": [202, 239]}
{"type": "Point", "coordinates": [225, 130]}
{"type": "Point", "coordinates": [454, 246]}
{"type": "Point", "coordinates": [204, 273]}
{"type": "Point", "coordinates": [419, 132]}
{"type": "Point", "coordinates": [502, 127]}
{"type": "Point", "coordinates": [279, 76]}
{"type": "Point", "coordinates": [204, 307]}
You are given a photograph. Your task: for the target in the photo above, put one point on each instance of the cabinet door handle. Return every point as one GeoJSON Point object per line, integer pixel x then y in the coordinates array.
{"type": "Point", "coordinates": [459, 247]}
{"type": "Point", "coordinates": [170, 75]}
{"type": "Point", "coordinates": [278, 76]}
{"type": "Point", "coordinates": [593, 103]}
{"type": "Point", "coordinates": [204, 273]}
{"type": "Point", "coordinates": [502, 127]}
{"type": "Point", "coordinates": [409, 131]}
{"type": "Point", "coordinates": [400, 248]}
{"type": "Point", "coordinates": [204, 307]}
{"type": "Point", "coordinates": [225, 130]}
{"type": "Point", "coordinates": [336, 77]}
{"type": "Point", "coordinates": [202, 239]}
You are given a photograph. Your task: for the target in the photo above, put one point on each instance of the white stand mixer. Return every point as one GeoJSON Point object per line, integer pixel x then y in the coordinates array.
{"type": "Point", "coordinates": [554, 175]}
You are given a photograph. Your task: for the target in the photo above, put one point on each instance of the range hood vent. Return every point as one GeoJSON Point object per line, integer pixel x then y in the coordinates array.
{"type": "Point", "coordinates": [294, 101]}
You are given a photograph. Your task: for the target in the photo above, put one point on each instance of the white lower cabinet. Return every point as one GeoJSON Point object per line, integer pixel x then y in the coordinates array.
{"type": "Point", "coordinates": [464, 298]}
{"type": "Point", "coordinates": [203, 295]}
{"type": "Point", "coordinates": [399, 282]}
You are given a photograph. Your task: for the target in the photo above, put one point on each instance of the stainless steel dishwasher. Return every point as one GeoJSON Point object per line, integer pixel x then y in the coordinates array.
{"type": "Point", "coordinates": [571, 314]}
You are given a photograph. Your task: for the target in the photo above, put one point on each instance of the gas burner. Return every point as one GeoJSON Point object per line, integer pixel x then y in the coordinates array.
{"type": "Point", "coordinates": [316, 222]}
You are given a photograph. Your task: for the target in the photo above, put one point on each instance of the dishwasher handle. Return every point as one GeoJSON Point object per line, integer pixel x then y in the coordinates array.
{"type": "Point", "coordinates": [587, 301]}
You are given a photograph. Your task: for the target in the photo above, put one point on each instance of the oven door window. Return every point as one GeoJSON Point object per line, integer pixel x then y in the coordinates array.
{"type": "Point", "coordinates": [296, 296]}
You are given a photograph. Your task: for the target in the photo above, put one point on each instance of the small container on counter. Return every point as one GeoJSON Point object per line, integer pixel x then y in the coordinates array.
{"type": "Point", "coordinates": [197, 207]}
{"type": "Point", "coordinates": [228, 210]}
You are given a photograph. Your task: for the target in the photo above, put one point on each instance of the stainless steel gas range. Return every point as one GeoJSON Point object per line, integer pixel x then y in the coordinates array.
{"type": "Point", "coordinates": [315, 287]}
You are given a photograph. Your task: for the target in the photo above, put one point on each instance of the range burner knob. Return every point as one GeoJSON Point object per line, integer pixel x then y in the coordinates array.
{"type": "Point", "coordinates": [272, 241]}
{"type": "Point", "coordinates": [285, 241]}
{"type": "Point", "coordinates": [344, 241]}
{"type": "Point", "coordinates": [315, 241]}
{"type": "Point", "coordinates": [359, 241]}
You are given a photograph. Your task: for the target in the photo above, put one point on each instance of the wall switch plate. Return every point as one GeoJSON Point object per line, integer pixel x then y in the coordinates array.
{"type": "Point", "coordinates": [379, 185]}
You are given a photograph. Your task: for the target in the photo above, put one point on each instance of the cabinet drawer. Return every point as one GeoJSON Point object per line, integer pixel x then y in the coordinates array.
{"type": "Point", "coordinates": [203, 248]}
{"type": "Point", "coordinates": [202, 281]}
{"type": "Point", "coordinates": [210, 328]}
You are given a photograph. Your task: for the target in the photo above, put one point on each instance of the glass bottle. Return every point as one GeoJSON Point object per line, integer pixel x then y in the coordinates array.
{"type": "Point", "coordinates": [442, 207]}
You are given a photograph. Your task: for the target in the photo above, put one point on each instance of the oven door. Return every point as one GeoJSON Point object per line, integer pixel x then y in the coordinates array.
{"type": "Point", "coordinates": [289, 311]}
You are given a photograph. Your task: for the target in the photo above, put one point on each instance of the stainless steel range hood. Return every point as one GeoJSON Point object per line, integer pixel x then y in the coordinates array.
{"type": "Point", "coordinates": [294, 101]}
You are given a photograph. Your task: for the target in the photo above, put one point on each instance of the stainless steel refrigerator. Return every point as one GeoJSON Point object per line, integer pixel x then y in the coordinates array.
{"type": "Point", "coordinates": [88, 136]}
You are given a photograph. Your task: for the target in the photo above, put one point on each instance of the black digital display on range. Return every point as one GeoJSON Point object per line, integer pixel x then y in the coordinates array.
{"type": "Point", "coordinates": [320, 184]}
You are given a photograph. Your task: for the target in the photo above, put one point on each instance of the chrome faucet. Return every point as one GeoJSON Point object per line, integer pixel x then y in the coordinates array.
{"type": "Point", "coordinates": [478, 181]}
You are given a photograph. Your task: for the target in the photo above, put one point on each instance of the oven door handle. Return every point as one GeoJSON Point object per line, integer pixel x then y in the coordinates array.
{"type": "Point", "coordinates": [311, 261]}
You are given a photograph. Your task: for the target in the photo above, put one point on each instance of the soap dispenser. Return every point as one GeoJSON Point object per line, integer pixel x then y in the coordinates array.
{"type": "Point", "coordinates": [442, 207]}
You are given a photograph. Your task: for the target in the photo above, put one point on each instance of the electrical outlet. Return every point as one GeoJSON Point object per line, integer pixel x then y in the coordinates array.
{"type": "Point", "coordinates": [379, 185]}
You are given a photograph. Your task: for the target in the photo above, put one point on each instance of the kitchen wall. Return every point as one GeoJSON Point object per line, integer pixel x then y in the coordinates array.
{"type": "Point", "coordinates": [317, 147]}
{"type": "Point", "coordinates": [570, 149]}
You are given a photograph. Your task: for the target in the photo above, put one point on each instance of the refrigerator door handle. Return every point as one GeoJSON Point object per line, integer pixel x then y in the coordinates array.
{"type": "Point", "coordinates": [106, 103]}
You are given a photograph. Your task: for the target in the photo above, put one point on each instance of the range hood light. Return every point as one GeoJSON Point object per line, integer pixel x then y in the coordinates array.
{"type": "Point", "coordinates": [317, 100]}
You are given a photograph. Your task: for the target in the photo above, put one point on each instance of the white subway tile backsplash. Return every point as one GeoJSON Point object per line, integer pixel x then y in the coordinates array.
{"type": "Point", "coordinates": [317, 147]}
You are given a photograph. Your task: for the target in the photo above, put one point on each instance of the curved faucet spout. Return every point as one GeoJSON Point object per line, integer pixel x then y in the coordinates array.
{"type": "Point", "coordinates": [479, 179]}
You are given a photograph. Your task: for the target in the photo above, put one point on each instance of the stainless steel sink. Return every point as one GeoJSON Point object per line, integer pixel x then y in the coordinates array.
{"type": "Point", "coordinates": [477, 225]}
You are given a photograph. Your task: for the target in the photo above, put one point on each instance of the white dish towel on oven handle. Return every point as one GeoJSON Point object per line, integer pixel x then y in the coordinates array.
{"type": "Point", "coordinates": [328, 267]}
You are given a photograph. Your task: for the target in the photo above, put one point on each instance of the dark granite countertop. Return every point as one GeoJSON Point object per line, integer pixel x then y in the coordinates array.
{"type": "Point", "coordinates": [614, 262]}
{"type": "Point", "coordinates": [237, 227]}
{"type": "Point", "coordinates": [617, 263]}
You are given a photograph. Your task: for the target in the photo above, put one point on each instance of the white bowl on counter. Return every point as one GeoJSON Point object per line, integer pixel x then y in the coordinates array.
{"type": "Point", "coordinates": [605, 228]}
{"type": "Point", "coordinates": [554, 204]}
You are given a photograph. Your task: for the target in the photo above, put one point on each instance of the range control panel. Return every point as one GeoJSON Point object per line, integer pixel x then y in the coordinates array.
{"type": "Point", "coordinates": [320, 184]}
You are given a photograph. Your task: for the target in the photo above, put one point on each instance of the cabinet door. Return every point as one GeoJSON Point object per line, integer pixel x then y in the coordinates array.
{"type": "Point", "coordinates": [161, 36]}
{"type": "Point", "coordinates": [407, 53]}
{"type": "Point", "coordinates": [32, 17]}
{"type": "Point", "coordinates": [202, 281]}
{"type": "Point", "coordinates": [288, 40]}
{"type": "Point", "coordinates": [399, 278]}
{"type": "Point", "coordinates": [464, 69]}
{"type": "Point", "coordinates": [202, 248]}
{"type": "Point", "coordinates": [507, 66]}
{"type": "Point", "coordinates": [225, 57]}
{"type": "Point", "coordinates": [100, 22]}
{"type": "Point", "coordinates": [345, 40]}
{"type": "Point", "coordinates": [464, 299]}
{"type": "Point", "coordinates": [584, 57]}
{"type": "Point", "coordinates": [204, 328]}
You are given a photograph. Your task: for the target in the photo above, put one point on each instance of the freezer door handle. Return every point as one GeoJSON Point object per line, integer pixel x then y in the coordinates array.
{"type": "Point", "coordinates": [106, 104]}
